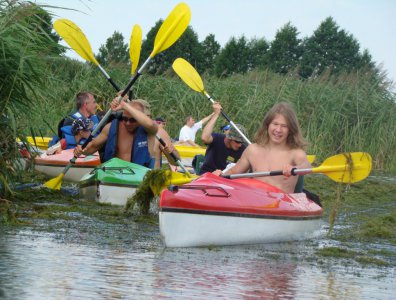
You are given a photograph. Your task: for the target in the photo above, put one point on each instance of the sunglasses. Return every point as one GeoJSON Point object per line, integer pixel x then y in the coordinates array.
{"type": "Point", "coordinates": [159, 122]}
{"type": "Point", "coordinates": [130, 120]}
{"type": "Point", "coordinates": [238, 142]}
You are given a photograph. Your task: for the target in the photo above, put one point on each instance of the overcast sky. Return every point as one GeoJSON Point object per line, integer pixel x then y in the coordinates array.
{"type": "Point", "coordinates": [371, 22]}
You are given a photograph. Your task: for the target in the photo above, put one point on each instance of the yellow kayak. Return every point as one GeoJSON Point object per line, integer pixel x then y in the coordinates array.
{"type": "Point", "coordinates": [189, 151]}
{"type": "Point", "coordinates": [38, 141]}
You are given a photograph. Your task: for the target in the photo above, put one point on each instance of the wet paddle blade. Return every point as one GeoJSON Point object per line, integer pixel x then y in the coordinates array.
{"type": "Point", "coordinates": [135, 47]}
{"type": "Point", "coordinates": [172, 28]}
{"type": "Point", "coordinates": [55, 183]}
{"type": "Point", "coordinates": [188, 74]}
{"type": "Point", "coordinates": [75, 38]}
{"type": "Point", "coordinates": [346, 167]}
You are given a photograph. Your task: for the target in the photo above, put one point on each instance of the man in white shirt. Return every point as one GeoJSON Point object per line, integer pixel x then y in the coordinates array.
{"type": "Point", "coordinates": [188, 131]}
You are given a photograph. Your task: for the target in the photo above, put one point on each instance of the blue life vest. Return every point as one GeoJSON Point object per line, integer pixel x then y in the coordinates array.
{"type": "Point", "coordinates": [140, 154]}
{"type": "Point", "coordinates": [65, 130]}
{"type": "Point", "coordinates": [69, 137]}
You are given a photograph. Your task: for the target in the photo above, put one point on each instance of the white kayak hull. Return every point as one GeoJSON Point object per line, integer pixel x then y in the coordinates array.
{"type": "Point", "coordinates": [197, 230]}
{"type": "Point", "coordinates": [74, 174]}
{"type": "Point", "coordinates": [107, 193]}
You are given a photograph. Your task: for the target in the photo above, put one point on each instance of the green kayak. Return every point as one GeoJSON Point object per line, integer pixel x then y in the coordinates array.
{"type": "Point", "coordinates": [112, 182]}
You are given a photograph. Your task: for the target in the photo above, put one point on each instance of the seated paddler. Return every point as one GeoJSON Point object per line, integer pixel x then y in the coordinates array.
{"type": "Point", "coordinates": [130, 137]}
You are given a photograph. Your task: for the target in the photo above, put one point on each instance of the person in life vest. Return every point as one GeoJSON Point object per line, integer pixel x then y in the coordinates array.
{"type": "Point", "coordinates": [80, 130]}
{"type": "Point", "coordinates": [131, 137]}
{"type": "Point", "coordinates": [86, 109]}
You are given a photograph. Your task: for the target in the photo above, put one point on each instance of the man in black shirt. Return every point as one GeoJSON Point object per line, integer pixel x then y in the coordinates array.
{"type": "Point", "coordinates": [222, 149]}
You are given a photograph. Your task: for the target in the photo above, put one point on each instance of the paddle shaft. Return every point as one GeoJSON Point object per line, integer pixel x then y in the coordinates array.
{"type": "Point", "coordinates": [124, 92]}
{"type": "Point", "coordinates": [109, 79]}
{"type": "Point", "coordinates": [179, 163]}
{"type": "Point", "coordinates": [294, 172]}
{"type": "Point", "coordinates": [157, 136]}
{"type": "Point", "coordinates": [108, 113]}
{"type": "Point", "coordinates": [228, 119]}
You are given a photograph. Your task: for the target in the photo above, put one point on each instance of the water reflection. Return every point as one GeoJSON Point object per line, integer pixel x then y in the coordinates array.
{"type": "Point", "coordinates": [42, 266]}
{"type": "Point", "coordinates": [227, 272]}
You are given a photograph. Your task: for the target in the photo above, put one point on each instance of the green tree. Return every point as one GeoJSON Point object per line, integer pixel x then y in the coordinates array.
{"type": "Point", "coordinates": [211, 49]}
{"type": "Point", "coordinates": [285, 51]}
{"type": "Point", "coordinates": [115, 51]}
{"type": "Point", "coordinates": [257, 53]}
{"type": "Point", "coordinates": [233, 58]}
{"type": "Point", "coordinates": [187, 47]}
{"type": "Point", "coordinates": [330, 48]}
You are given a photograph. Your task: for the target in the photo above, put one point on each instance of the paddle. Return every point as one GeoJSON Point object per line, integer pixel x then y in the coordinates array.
{"type": "Point", "coordinates": [77, 40]}
{"type": "Point", "coordinates": [73, 35]}
{"type": "Point", "coordinates": [170, 31]}
{"type": "Point", "coordinates": [135, 46]}
{"type": "Point", "coordinates": [177, 160]}
{"type": "Point", "coordinates": [191, 77]}
{"type": "Point", "coordinates": [345, 168]}
{"type": "Point", "coordinates": [134, 55]}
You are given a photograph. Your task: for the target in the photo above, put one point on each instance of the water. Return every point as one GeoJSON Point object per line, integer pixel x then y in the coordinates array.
{"type": "Point", "coordinates": [71, 265]}
{"type": "Point", "coordinates": [84, 258]}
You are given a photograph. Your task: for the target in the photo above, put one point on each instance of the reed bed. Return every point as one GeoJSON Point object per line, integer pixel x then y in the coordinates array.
{"type": "Point", "coordinates": [349, 112]}
{"type": "Point", "coordinates": [352, 112]}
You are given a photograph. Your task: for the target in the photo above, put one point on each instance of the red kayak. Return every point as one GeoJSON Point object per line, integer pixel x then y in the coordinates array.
{"type": "Point", "coordinates": [214, 211]}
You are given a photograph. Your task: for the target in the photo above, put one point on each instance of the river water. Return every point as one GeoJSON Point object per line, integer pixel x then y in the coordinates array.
{"type": "Point", "coordinates": [40, 265]}
{"type": "Point", "coordinates": [83, 258]}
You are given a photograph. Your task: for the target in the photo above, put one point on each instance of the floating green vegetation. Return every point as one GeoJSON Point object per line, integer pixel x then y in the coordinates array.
{"type": "Point", "coordinates": [379, 227]}
{"type": "Point", "coordinates": [360, 257]}
{"type": "Point", "coordinates": [145, 193]}
{"type": "Point", "coordinates": [46, 204]}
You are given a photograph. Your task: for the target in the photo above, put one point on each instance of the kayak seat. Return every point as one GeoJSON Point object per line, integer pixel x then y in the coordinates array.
{"type": "Point", "coordinates": [197, 163]}
{"type": "Point", "coordinates": [299, 185]}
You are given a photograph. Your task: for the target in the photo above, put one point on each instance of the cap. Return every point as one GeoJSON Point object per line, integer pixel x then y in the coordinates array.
{"type": "Point", "coordinates": [234, 135]}
{"type": "Point", "coordinates": [81, 124]}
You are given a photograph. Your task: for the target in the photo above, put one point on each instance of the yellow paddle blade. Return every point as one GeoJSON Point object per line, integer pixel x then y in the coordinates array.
{"type": "Point", "coordinates": [172, 28]}
{"type": "Point", "coordinates": [188, 74]}
{"type": "Point", "coordinates": [311, 158]}
{"type": "Point", "coordinates": [346, 167]}
{"type": "Point", "coordinates": [135, 47]}
{"type": "Point", "coordinates": [178, 178]}
{"type": "Point", "coordinates": [75, 38]}
{"type": "Point", "coordinates": [55, 183]}
{"type": "Point", "coordinates": [175, 178]}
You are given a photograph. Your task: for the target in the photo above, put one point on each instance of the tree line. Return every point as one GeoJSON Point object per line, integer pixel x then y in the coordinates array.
{"type": "Point", "coordinates": [329, 49]}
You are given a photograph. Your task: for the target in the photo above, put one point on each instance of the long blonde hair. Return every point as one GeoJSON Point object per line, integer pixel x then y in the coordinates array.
{"type": "Point", "coordinates": [295, 139]}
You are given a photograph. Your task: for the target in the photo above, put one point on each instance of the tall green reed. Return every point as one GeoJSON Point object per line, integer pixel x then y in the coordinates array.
{"type": "Point", "coordinates": [23, 52]}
